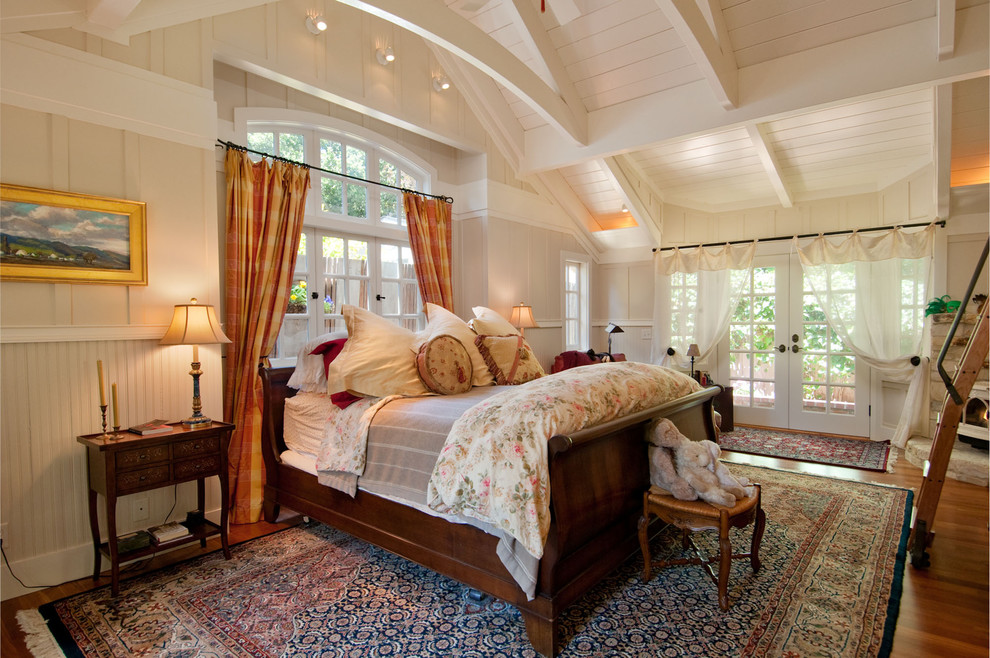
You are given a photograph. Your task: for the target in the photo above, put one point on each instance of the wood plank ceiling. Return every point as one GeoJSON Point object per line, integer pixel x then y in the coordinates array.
{"type": "Point", "coordinates": [711, 105]}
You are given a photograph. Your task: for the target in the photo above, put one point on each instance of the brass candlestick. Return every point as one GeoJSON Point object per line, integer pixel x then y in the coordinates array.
{"type": "Point", "coordinates": [103, 413]}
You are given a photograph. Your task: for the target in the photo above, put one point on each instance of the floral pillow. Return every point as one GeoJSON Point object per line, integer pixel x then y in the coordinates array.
{"type": "Point", "coordinates": [510, 359]}
{"type": "Point", "coordinates": [445, 365]}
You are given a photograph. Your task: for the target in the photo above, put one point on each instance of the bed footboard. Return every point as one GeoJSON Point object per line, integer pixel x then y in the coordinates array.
{"type": "Point", "coordinates": [597, 481]}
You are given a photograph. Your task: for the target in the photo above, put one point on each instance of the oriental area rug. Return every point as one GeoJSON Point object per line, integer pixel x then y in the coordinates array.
{"type": "Point", "coordinates": [830, 584]}
{"type": "Point", "coordinates": [863, 454]}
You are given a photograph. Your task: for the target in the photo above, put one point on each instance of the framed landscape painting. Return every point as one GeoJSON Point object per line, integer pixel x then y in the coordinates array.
{"type": "Point", "coordinates": [62, 237]}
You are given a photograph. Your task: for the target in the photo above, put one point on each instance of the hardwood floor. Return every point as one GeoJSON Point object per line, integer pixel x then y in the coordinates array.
{"type": "Point", "coordinates": [944, 609]}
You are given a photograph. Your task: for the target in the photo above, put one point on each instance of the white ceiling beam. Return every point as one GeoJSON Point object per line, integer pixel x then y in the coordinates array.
{"type": "Point", "coordinates": [564, 11]}
{"type": "Point", "coordinates": [109, 13]}
{"type": "Point", "coordinates": [645, 201]}
{"type": "Point", "coordinates": [551, 185]}
{"type": "Point", "coordinates": [946, 13]}
{"type": "Point", "coordinates": [768, 158]}
{"type": "Point", "coordinates": [716, 61]}
{"type": "Point", "coordinates": [896, 59]}
{"type": "Point", "coordinates": [942, 117]}
{"type": "Point", "coordinates": [487, 104]}
{"type": "Point", "coordinates": [33, 15]}
{"type": "Point", "coordinates": [451, 32]}
{"type": "Point", "coordinates": [533, 31]}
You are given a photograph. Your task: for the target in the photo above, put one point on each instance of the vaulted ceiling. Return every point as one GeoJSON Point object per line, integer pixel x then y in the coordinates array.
{"type": "Point", "coordinates": [711, 105]}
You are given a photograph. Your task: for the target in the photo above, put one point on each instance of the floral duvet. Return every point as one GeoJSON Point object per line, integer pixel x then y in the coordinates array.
{"type": "Point", "coordinates": [493, 466]}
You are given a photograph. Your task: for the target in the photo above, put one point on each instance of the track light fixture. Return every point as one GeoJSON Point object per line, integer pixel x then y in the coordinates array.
{"type": "Point", "coordinates": [385, 55]}
{"type": "Point", "coordinates": [441, 82]}
{"type": "Point", "coordinates": [316, 24]}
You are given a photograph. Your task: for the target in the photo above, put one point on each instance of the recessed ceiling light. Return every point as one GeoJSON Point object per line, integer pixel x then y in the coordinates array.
{"type": "Point", "coordinates": [625, 208]}
{"type": "Point", "coordinates": [316, 24]}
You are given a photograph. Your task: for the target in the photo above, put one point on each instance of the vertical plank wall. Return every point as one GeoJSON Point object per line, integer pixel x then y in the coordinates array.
{"type": "Point", "coordinates": [50, 396]}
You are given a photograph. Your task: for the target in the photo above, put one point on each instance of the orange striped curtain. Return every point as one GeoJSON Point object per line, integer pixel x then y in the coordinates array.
{"type": "Point", "coordinates": [266, 201]}
{"type": "Point", "coordinates": [430, 239]}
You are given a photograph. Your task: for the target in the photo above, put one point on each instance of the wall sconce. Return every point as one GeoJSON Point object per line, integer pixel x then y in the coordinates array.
{"type": "Point", "coordinates": [194, 325]}
{"type": "Point", "coordinates": [385, 55]}
{"type": "Point", "coordinates": [316, 23]}
{"type": "Point", "coordinates": [522, 318]}
{"type": "Point", "coordinates": [441, 82]}
{"type": "Point", "coordinates": [692, 352]}
{"type": "Point", "coordinates": [612, 328]}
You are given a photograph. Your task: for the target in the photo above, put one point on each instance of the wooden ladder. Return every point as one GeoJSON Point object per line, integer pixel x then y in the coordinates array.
{"type": "Point", "coordinates": [958, 389]}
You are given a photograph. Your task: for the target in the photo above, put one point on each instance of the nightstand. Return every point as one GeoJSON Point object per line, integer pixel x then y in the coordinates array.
{"type": "Point", "coordinates": [133, 463]}
{"type": "Point", "coordinates": [723, 405]}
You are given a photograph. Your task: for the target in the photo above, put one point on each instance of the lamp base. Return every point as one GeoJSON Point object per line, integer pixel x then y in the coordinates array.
{"type": "Point", "coordinates": [196, 421]}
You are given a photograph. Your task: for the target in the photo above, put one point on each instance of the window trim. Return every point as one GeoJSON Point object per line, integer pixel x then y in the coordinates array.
{"type": "Point", "coordinates": [585, 299]}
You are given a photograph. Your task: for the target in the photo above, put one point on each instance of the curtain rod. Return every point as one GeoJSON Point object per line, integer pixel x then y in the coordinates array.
{"type": "Point", "coordinates": [940, 222]}
{"type": "Point", "coordinates": [238, 147]}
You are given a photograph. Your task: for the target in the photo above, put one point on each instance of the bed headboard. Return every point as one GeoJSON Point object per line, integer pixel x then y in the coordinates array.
{"type": "Point", "coordinates": [274, 390]}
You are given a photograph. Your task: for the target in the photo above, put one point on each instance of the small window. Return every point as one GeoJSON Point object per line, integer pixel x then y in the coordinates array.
{"type": "Point", "coordinates": [576, 314]}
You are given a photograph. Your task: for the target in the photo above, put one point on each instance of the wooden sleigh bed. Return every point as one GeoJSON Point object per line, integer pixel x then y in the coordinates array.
{"type": "Point", "coordinates": [597, 478]}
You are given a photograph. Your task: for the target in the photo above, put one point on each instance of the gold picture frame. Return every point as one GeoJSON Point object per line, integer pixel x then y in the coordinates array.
{"type": "Point", "coordinates": [63, 237]}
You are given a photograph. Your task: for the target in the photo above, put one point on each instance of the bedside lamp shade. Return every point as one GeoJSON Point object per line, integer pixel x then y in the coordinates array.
{"type": "Point", "coordinates": [692, 352]}
{"type": "Point", "coordinates": [522, 318]}
{"type": "Point", "coordinates": [194, 325]}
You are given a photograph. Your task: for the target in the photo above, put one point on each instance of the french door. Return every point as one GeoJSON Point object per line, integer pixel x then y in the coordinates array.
{"type": "Point", "coordinates": [333, 269]}
{"type": "Point", "coordinates": [787, 368]}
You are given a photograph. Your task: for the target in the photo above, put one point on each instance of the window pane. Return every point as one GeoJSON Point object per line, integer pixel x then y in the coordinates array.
{"type": "Point", "coordinates": [739, 364]}
{"type": "Point", "coordinates": [331, 156]}
{"type": "Point", "coordinates": [407, 181]}
{"type": "Point", "coordinates": [334, 324]}
{"type": "Point", "coordinates": [390, 305]}
{"type": "Point", "coordinates": [388, 172]}
{"type": "Point", "coordinates": [813, 367]}
{"type": "Point", "coordinates": [297, 298]}
{"type": "Point", "coordinates": [333, 255]}
{"type": "Point", "coordinates": [389, 205]}
{"type": "Point", "coordinates": [408, 268]}
{"type": "Point", "coordinates": [763, 366]}
{"type": "Point", "coordinates": [842, 400]}
{"type": "Point", "coordinates": [264, 142]}
{"type": "Point", "coordinates": [740, 392]}
{"type": "Point", "coordinates": [390, 261]}
{"type": "Point", "coordinates": [357, 292]}
{"type": "Point", "coordinates": [815, 337]}
{"type": "Point", "coordinates": [739, 337]}
{"type": "Point", "coordinates": [357, 258]}
{"type": "Point", "coordinates": [843, 369]}
{"type": "Point", "coordinates": [763, 395]}
{"type": "Point", "coordinates": [813, 399]}
{"type": "Point", "coordinates": [292, 336]}
{"type": "Point", "coordinates": [292, 147]}
{"type": "Point", "coordinates": [357, 201]}
{"type": "Point", "coordinates": [410, 297]}
{"type": "Point", "coordinates": [333, 195]}
{"type": "Point", "coordinates": [357, 162]}
{"type": "Point", "coordinates": [763, 337]}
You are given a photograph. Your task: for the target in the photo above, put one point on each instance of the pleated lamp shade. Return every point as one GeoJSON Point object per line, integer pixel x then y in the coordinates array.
{"type": "Point", "coordinates": [194, 324]}
{"type": "Point", "coordinates": [522, 317]}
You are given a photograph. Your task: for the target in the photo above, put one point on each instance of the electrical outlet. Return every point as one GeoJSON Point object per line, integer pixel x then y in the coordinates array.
{"type": "Point", "coordinates": [139, 508]}
{"type": "Point", "coordinates": [646, 334]}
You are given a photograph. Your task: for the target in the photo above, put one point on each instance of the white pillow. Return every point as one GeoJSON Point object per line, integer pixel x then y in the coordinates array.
{"type": "Point", "coordinates": [378, 359]}
{"type": "Point", "coordinates": [310, 375]}
{"type": "Point", "coordinates": [441, 321]}
{"type": "Point", "coordinates": [487, 322]}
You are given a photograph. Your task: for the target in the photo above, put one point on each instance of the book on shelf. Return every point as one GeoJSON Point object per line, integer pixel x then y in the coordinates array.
{"type": "Point", "coordinates": [156, 426]}
{"type": "Point", "coordinates": [168, 532]}
{"type": "Point", "coordinates": [133, 541]}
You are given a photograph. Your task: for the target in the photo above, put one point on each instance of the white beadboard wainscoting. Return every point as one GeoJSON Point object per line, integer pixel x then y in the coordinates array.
{"type": "Point", "coordinates": [49, 395]}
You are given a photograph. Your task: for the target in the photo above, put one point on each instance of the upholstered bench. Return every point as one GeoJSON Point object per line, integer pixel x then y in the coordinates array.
{"type": "Point", "coordinates": [696, 516]}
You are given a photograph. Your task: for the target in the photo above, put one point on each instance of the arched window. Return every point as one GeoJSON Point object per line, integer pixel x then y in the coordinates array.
{"type": "Point", "coordinates": [355, 246]}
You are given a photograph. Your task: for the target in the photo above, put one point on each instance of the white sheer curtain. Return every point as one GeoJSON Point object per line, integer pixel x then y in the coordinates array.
{"type": "Point", "coordinates": [872, 288]}
{"type": "Point", "coordinates": [696, 293]}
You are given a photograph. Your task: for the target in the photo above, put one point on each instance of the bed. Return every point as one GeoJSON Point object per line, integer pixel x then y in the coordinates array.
{"type": "Point", "coordinates": [596, 479]}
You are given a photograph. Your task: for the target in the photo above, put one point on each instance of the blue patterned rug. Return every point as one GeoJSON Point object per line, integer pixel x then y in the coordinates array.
{"type": "Point", "coordinates": [833, 559]}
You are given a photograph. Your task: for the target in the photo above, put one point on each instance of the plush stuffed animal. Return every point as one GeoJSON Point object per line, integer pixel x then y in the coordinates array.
{"type": "Point", "coordinates": [664, 438]}
{"type": "Point", "coordinates": [737, 485]}
{"type": "Point", "coordinates": [692, 461]}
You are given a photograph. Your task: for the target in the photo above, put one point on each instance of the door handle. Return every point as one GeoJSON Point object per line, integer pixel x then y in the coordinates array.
{"type": "Point", "coordinates": [795, 349]}
{"type": "Point", "coordinates": [781, 348]}
{"type": "Point", "coordinates": [379, 297]}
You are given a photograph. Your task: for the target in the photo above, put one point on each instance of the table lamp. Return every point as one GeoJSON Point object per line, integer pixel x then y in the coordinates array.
{"type": "Point", "coordinates": [522, 318]}
{"type": "Point", "coordinates": [612, 328]}
{"type": "Point", "coordinates": [692, 352]}
{"type": "Point", "coordinates": [194, 325]}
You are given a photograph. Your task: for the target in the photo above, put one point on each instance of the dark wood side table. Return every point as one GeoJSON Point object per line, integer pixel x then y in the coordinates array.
{"type": "Point", "coordinates": [723, 405]}
{"type": "Point", "coordinates": [134, 463]}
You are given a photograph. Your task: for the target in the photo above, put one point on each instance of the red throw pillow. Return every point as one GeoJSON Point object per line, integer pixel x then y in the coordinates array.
{"type": "Point", "coordinates": [330, 351]}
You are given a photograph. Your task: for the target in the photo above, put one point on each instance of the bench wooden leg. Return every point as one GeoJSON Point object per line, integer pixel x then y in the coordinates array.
{"type": "Point", "coordinates": [644, 545]}
{"type": "Point", "coordinates": [724, 560]}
